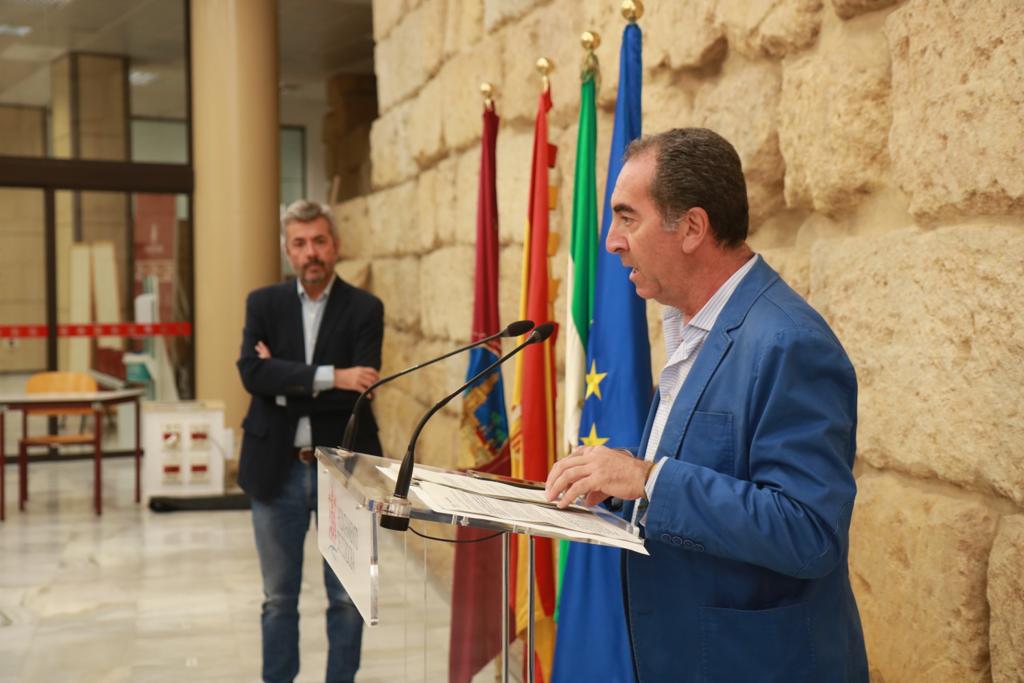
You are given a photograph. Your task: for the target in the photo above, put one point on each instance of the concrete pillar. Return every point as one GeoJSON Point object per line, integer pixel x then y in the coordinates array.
{"type": "Point", "coordinates": [235, 155]}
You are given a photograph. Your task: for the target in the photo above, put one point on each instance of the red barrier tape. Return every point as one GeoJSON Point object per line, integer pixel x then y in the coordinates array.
{"type": "Point", "coordinates": [98, 330]}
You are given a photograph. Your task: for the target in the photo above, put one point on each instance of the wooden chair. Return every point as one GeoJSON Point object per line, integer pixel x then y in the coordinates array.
{"type": "Point", "coordinates": [60, 383]}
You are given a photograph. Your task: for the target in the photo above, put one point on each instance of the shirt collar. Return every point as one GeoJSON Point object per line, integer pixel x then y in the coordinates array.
{"type": "Point", "coordinates": [708, 314]}
{"type": "Point", "coordinates": [323, 296]}
{"type": "Point", "coordinates": [706, 317]}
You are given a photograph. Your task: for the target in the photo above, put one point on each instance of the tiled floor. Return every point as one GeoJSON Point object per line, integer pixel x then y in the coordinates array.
{"type": "Point", "coordinates": [146, 597]}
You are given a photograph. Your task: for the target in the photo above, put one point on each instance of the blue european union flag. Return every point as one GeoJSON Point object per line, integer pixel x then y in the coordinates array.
{"type": "Point", "coordinates": [592, 641]}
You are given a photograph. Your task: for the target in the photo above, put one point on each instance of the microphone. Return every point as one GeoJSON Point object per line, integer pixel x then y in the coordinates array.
{"type": "Point", "coordinates": [395, 515]}
{"type": "Point", "coordinates": [513, 330]}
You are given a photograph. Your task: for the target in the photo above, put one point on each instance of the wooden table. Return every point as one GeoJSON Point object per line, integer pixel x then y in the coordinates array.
{"type": "Point", "coordinates": [97, 401]}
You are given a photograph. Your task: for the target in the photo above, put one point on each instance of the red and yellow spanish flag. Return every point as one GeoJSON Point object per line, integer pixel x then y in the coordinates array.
{"type": "Point", "coordinates": [533, 397]}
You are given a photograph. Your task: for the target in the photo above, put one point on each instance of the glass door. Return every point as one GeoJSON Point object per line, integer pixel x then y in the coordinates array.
{"type": "Point", "coordinates": [123, 289]}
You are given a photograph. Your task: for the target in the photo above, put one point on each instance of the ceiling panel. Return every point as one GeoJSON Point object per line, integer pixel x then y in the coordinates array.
{"type": "Point", "coordinates": [317, 38]}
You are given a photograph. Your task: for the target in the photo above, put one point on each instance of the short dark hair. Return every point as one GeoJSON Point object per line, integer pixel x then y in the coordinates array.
{"type": "Point", "coordinates": [697, 167]}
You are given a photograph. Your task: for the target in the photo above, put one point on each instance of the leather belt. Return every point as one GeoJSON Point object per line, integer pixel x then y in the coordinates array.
{"type": "Point", "coordinates": [304, 455]}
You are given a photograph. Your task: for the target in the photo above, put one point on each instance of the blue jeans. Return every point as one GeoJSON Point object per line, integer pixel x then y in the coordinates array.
{"type": "Point", "coordinates": [280, 527]}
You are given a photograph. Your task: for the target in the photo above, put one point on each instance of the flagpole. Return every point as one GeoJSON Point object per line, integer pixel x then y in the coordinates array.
{"type": "Point", "coordinates": [592, 640]}
{"type": "Point", "coordinates": [580, 269]}
{"type": "Point", "coordinates": [579, 300]}
{"type": "Point", "coordinates": [531, 646]}
{"type": "Point", "coordinates": [487, 91]}
{"type": "Point", "coordinates": [480, 623]}
{"type": "Point", "coordinates": [544, 67]}
{"type": "Point", "coordinates": [532, 434]}
{"type": "Point", "coordinates": [506, 559]}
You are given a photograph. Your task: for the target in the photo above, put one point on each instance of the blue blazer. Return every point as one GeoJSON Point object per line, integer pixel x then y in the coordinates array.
{"type": "Point", "coordinates": [749, 518]}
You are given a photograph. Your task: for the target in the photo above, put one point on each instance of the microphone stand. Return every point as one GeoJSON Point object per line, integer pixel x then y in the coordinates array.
{"type": "Point", "coordinates": [513, 330]}
{"type": "Point", "coordinates": [395, 510]}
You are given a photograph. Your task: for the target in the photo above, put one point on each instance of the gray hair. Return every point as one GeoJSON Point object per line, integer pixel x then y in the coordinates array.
{"type": "Point", "coordinates": [305, 211]}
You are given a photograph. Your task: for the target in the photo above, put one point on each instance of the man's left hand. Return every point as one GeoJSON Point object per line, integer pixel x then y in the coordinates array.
{"type": "Point", "coordinates": [596, 472]}
{"type": "Point", "coordinates": [262, 350]}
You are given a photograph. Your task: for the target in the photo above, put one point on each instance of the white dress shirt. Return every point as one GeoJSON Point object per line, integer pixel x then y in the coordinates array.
{"type": "Point", "coordinates": [312, 316]}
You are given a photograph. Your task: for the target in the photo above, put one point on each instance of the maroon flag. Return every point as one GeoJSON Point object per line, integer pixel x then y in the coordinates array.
{"type": "Point", "coordinates": [476, 583]}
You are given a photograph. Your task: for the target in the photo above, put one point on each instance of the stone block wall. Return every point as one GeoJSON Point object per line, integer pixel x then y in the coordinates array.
{"type": "Point", "coordinates": [882, 142]}
{"type": "Point", "coordinates": [352, 102]}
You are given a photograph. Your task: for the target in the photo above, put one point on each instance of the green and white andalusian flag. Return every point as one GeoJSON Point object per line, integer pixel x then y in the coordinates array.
{"type": "Point", "coordinates": [581, 271]}
{"type": "Point", "coordinates": [582, 261]}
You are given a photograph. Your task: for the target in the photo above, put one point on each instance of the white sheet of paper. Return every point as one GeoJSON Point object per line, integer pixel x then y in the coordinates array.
{"type": "Point", "coordinates": [485, 487]}
{"type": "Point", "coordinates": [581, 525]}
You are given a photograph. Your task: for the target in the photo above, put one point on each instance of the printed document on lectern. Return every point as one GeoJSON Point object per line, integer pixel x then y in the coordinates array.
{"type": "Point", "coordinates": [459, 494]}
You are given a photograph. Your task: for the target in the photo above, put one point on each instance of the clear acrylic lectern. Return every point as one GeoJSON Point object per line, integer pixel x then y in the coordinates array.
{"type": "Point", "coordinates": [376, 567]}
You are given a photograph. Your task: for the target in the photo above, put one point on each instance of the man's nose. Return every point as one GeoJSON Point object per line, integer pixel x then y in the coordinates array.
{"type": "Point", "coordinates": [615, 242]}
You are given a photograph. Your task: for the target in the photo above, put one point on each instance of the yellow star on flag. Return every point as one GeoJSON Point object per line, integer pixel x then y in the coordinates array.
{"type": "Point", "coordinates": [593, 379]}
{"type": "Point", "coordinates": [593, 439]}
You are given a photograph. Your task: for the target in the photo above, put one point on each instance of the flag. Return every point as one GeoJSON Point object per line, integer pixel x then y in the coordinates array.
{"type": "Point", "coordinates": [580, 273]}
{"type": "Point", "coordinates": [592, 640]}
{"type": "Point", "coordinates": [476, 581]}
{"type": "Point", "coordinates": [533, 398]}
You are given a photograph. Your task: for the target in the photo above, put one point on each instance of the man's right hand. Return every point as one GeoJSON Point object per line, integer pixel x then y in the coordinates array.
{"type": "Point", "coordinates": [597, 472]}
{"type": "Point", "coordinates": [357, 378]}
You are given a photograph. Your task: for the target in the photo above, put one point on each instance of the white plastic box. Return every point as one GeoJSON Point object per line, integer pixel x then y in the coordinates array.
{"type": "Point", "coordinates": [185, 445]}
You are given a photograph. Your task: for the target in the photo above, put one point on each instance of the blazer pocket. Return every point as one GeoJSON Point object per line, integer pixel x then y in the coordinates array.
{"type": "Point", "coordinates": [709, 441]}
{"type": "Point", "coordinates": [768, 646]}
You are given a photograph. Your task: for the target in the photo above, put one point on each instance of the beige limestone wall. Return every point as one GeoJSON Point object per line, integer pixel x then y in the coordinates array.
{"type": "Point", "coordinates": [352, 102]}
{"type": "Point", "coordinates": [882, 142]}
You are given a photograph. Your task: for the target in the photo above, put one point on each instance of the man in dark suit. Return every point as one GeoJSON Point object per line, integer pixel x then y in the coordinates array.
{"type": "Point", "coordinates": [743, 478]}
{"type": "Point", "coordinates": [308, 348]}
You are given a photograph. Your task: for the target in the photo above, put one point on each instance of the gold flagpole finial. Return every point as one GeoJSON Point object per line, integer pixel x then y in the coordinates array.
{"type": "Point", "coordinates": [632, 10]}
{"type": "Point", "coordinates": [544, 67]}
{"type": "Point", "coordinates": [487, 90]}
{"type": "Point", "coordinates": [590, 40]}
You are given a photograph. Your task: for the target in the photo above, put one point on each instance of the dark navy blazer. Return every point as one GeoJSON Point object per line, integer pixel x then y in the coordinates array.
{"type": "Point", "coordinates": [749, 518]}
{"type": "Point", "coordinates": [351, 333]}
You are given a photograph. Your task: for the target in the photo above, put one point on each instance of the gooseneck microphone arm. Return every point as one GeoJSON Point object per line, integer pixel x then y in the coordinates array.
{"type": "Point", "coordinates": [515, 329]}
{"type": "Point", "coordinates": [396, 510]}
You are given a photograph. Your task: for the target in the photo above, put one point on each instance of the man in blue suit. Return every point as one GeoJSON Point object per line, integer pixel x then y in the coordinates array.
{"type": "Point", "coordinates": [743, 483]}
{"type": "Point", "coordinates": [308, 348]}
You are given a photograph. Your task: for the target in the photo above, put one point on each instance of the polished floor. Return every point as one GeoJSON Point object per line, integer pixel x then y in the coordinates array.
{"type": "Point", "coordinates": [143, 597]}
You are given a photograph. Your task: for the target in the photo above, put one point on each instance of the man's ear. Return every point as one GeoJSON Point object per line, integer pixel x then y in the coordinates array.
{"type": "Point", "coordinates": [695, 229]}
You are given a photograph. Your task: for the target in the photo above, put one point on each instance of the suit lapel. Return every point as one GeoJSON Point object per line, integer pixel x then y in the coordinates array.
{"type": "Point", "coordinates": [293, 321]}
{"type": "Point", "coordinates": [340, 291]}
{"type": "Point", "coordinates": [711, 355]}
{"type": "Point", "coordinates": [650, 423]}
{"type": "Point", "coordinates": [708, 360]}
